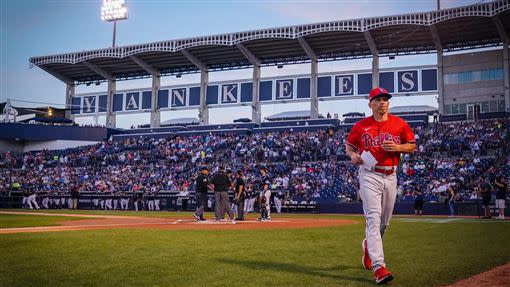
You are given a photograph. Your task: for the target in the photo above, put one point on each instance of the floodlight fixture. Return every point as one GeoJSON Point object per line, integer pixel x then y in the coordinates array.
{"type": "Point", "coordinates": [112, 11]}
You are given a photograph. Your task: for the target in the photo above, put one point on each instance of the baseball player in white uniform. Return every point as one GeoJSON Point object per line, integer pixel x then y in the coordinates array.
{"type": "Point", "coordinates": [278, 197]}
{"type": "Point", "coordinates": [265, 204]}
{"type": "Point", "coordinates": [31, 199]}
{"type": "Point", "coordinates": [46, 200]}
{"type": "Point", "coordinates": [375, 144]}
{"type": "Point", "coordinates": [124, 201]}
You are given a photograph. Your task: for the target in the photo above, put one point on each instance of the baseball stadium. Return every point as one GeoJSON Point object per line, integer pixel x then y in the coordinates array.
{"type": "Point", "coordinates": [150, 171]}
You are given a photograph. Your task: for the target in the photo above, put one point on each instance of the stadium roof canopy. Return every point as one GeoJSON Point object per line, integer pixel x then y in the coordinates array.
{"type": "Point", "coordinates": [180, 121]}
{"type": "Point", "coordinates": [459, 28]}
{"type": "Point", "coordinates": [418, 109]}
{"type": "Point", "coordinates": [292, 115]}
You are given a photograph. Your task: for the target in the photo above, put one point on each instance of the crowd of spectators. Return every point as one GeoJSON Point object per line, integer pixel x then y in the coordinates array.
{"type": "Point", "coordinates": [305, 165]}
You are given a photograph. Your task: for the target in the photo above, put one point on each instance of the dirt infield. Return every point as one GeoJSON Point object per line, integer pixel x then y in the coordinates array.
{"type": "Point", "coordinates": [91, 222]}
{"type": "Point", "coordinates": [497, 277]}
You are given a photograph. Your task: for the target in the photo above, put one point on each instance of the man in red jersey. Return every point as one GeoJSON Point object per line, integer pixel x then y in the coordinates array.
{"type": "Point", "coordinates": [375, 144]}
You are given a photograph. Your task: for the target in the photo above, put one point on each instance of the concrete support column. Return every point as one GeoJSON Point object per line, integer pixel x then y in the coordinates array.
{"type": "Point", "coordinates": [375, 71]}
{"type": "Point", "coordinates": [203, 113]}
{"type": "Point", "coordinates": [155, 113]}
{"type": "Point", "coordinates": [440, 68]}
{"type": "Point", "coordinates": [375, 59]}
{"type": "Point", "coordinates": [70, 91]}
{"type": "Point", "coordinates": [440, 82]}
{"type": "Point", "coordinates": [314, 100]}
{"type": "Point", "coordinates": [506, 74]}
{"type": "Point", "coordinates": [505, 38]}
{"type": "Point", "coordinates": [256, 112]}
{"type": "Point", "coordinates": [110, 117]}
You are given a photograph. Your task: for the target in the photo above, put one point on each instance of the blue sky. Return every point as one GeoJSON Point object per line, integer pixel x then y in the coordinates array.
{"type": "Point", "coordinates": [39, 28]}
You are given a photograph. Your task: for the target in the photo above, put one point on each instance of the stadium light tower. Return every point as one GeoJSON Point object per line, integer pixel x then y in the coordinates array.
{"type": "Point", "coordinates": [112, 11]}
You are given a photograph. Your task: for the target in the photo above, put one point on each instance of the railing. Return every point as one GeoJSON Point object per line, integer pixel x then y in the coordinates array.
{"type": "Point", "coordinates": [290, 32]}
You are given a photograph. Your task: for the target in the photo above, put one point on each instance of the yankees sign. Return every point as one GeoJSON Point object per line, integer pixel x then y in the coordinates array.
{"type": "Point", "coordinates": [240, 92]}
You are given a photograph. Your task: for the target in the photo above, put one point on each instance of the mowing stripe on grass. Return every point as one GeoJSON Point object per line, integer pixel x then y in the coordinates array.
{"type": "Point", "coordinates": [450, 220]}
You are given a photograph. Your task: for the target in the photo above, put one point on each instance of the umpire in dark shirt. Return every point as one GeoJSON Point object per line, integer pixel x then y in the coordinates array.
{"type": "Point", "coordinates": [221, 183]}
{"type": "Point", "coordinates": [485, 192]}
{"type": "Point", "coordinates": [240, 195]}
{"type": "Point", "coordinates": [202, 185]}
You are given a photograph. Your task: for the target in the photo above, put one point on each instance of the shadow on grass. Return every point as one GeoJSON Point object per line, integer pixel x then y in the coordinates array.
{"type": "Point", "coordinates": [297, 269]}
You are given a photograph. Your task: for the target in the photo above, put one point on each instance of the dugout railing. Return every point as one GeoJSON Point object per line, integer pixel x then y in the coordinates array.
{"type": "Point", "coordinates": [172, 201]}
{"type": "Point", "coordinates": [168, 201]}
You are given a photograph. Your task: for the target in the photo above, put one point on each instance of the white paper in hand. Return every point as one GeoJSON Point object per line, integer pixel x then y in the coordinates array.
{"type": "Point", "coordinates": [369, 160]}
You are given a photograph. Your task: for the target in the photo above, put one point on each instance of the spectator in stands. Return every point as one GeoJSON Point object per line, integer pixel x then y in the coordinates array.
{"type": "Point", "coordinates": [485, 193]}
{"type": "Point", "coordinates": [418, 200]}
{"type": "Point", "coordinates": [501, 190]}
{"type": "Point", "coordinates": [75, 196]}
{"type": "Point", "coordinates": [15, 186]}
{"type": "Point", "coordinates": [450, 200]}
{"type": "Point", "coordinates": [167, 163]}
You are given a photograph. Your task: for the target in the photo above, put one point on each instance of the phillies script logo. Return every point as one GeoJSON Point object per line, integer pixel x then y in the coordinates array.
{"type": "Point", "coordinates": [370, 141]}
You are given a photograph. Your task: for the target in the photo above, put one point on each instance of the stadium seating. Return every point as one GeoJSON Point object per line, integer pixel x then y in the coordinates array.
{"type": "Point", "coordinates": [172, 129]}
{"type": "Point", "coordinates": [308, 163]}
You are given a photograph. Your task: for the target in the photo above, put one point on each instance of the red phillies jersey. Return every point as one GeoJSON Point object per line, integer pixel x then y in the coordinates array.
{"type": "Point", "coordinates": [368, 135]}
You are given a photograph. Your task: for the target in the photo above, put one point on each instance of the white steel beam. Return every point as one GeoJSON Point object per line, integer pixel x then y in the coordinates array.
{"type": "Point", "coordinates": [436, 38]}
{"type": "Point", "coordinates": [103, 73]}
{"type": "Point", "coordinates": [148, 68]}
{"type": "Point", "coordinates": [195, 61]}
{"type": "Point", "coordinates": [501, 29]}
{"type": "Point", "coordinates": [309, 51]}
{"type": "Point", "coordinates": [249, 55]}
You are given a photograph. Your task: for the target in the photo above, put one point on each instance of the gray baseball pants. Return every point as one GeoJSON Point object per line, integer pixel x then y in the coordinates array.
{"type": "Point", "coordinates": [222, 205]}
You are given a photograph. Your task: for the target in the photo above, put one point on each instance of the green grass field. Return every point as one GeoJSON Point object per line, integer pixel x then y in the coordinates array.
{"type": "Point", "coordinates": [22, 220]}
{"type": "Point", "coordinates": [431, 253]}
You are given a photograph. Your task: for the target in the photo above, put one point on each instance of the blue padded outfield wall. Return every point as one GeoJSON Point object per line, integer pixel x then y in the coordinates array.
{"type": "Point", "coordinates": [470, 208]}
{"type": "Point", "coordinates": [406, 81]}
